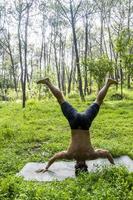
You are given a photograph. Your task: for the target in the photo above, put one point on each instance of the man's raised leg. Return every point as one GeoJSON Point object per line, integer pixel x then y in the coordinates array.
{"type": "Point", "coordinates": [55, 91]}
{"type": "Point", "coordinates": [102, 93]}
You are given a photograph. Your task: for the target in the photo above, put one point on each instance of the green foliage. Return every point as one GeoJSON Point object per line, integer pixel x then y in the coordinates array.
{"type": "Point", "coordinates": [124, 41]}
{"type": "Point", "coordinates": [114, 183]}
{"type": "Point", "coordinates": [36, 133]}
{"type": "Point", "coordinates": [124, 46]}
{"type": "Point", "coordinates": [99, 68]}
{"type": "Point", "coordinates": [5, 83]}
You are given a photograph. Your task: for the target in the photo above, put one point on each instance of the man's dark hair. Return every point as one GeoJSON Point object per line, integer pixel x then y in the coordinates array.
{"type": "Point", "coordinates": [80, 167]}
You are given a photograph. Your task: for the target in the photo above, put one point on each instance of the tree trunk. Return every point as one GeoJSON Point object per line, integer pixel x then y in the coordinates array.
{"type": "Point", "coordinates": [121, 75]}
{"type": "Point", "coordinates": [71, 71]}
{"type": "Point", "coordinates": [130, 51]}
{"type": "Point", "coordinates": [101, 34]}
{"type": "Point", "coordinates": [76, 53]}
{"type": "Point", "coordinates": [85, 57]}
{"type": "Point", "coordinates": [56, 61]}
{"type": "Point", "coordinates": [25, 57]}
{"type": "Point", "coordinates": [40, 68]}
{"type": "Point", "coordinates": [129, 81]}
{"type": "Point", "coordinates": [13, 71]}
{"type": "Point", "coordinates": [63, 67]}
{"type": "Point", "coordinates": [20, 55]}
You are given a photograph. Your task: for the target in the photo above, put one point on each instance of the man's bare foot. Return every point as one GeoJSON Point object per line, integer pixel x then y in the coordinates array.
{"type": "Point", "coordinates": [43, 81]}
{"type": "Point", "coordinates": [111, 81]}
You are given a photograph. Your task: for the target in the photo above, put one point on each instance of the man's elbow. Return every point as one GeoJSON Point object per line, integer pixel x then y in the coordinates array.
{"type": "Point", "coordinates": [61, 155]}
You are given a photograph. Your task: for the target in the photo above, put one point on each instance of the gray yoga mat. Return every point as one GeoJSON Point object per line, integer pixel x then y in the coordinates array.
{"type": "Point", "coordinates": [61, 170]}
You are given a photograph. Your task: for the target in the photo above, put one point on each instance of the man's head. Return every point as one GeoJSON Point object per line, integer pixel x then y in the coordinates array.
{"type": "Point", "coordinates": [80, 167]}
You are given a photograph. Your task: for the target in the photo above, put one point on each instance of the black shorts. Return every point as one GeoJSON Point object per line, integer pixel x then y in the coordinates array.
{"type": "Point", "coordinates": [79, 120]}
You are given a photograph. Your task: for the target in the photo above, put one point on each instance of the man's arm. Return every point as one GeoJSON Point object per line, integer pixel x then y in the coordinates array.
{"type": "Point", "coordinates": [57, 156]}
{"type": "Point", "coordinates": [105, 154]}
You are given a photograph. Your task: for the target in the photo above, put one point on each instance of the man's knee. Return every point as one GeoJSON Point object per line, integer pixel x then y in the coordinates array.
{"type": "Point", "coordinates": [99, 102]}
{"type": "Point", "coordinates": [60, 97]}
{"type": "Point", "coordinates": [61, 101]}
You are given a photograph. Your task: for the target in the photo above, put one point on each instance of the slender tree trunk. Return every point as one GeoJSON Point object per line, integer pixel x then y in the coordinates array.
{"type": "Point", "coordinates": [129, 81]}
{"type": "Point", "coordinates": [56, 62]}
{"type": "Point", "coordinates": [63, 67]}
{"type": "Point", "coordinates": [101, 34]}
{"type": "Point", "coordinates": [129, 15]}
{"type": "Point", "coordinates": [85, 57]}
{"type": "Point", "coordinates": [40, 68]}
{"type": "Point", "coordinates": [25, 57]}
{"type": "Point", "coordinates": [13, 70]}
{"type": "Point", "coordinates": [20, 55]}
{"type": "Point", "coordinates": [76, 53]}
{"type": "Point", "coordinates": [50, 49]}
{"type": "Point", "coordinates": [121, 75]}
{"type": "Point", "coordinates": [90, 54]}
{"type": "Point", "coordinates": [71, 71]}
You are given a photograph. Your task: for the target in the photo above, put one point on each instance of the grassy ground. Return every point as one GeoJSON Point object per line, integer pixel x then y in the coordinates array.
{"type": "Point", "coordinates": [40, 130]}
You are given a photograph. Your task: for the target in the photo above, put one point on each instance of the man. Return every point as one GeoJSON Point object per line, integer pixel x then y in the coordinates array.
{"type": "Point", "coordinates": [80, 148]}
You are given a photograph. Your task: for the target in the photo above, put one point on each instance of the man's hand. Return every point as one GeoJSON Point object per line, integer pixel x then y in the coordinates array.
{"type": "Point", "coordinates": [60, 155]}
{"type": "Point", "coordinates": [41, 170]}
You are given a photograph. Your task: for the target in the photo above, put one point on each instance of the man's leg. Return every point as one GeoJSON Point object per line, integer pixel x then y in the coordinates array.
{"type": "Point", "coordinates": [55, 91]}
{"type": "Point", "coordinates": [68, 110]}
{"type": "Point", "coordinates": [93, 110]}
{"type": "Point", "coordinates": [102, 93]}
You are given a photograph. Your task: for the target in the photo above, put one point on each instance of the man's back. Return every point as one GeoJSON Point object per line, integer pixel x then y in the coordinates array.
{"type": "Point", "coordinates": [80, 145]}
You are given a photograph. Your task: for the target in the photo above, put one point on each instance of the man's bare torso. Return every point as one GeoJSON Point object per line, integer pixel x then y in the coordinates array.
{"type": "Point", "coordinates": [80, 147]}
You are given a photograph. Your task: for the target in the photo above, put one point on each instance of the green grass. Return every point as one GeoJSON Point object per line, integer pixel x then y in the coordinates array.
{"type": "Point", "coordinates": [38, 131]}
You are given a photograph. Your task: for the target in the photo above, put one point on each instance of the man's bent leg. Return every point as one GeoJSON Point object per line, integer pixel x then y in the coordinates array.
{"type": "Point", "coordinates": [55, 91]}
{"type": "Point", "coordinates": [102, 93]}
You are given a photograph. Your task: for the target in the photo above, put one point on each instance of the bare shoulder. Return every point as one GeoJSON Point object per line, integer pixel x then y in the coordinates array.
{"type": "Point", "coordinates": [64, 154]}
{"type": "Point", "coordinates": [101, 151]}
{"type": "Point", "coordinates": [96, 154]}
{"type": "Point", "coordinates": [91, 155]}
{"type": "Point", "coordinates": [68, 155]}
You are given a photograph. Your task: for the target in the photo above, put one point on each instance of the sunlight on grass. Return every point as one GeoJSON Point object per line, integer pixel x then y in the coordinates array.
{"type": "Point", "coordinates": [38, 131]}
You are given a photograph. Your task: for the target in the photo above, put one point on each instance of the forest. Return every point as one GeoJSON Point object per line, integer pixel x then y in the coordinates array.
{"type": "Point", "coordinates": [77, 44]}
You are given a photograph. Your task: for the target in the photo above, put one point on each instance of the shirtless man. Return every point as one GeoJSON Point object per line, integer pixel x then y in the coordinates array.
{"type": "Point", "coordinates": [80, 147]}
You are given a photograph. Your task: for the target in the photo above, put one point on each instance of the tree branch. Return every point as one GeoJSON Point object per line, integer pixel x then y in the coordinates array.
{"type": "Point", "coordinates": [78, 6]}
{"type": "Point", "coordinates": [4, 47]}
{"type": "Point", "coordinates": [65, 14]}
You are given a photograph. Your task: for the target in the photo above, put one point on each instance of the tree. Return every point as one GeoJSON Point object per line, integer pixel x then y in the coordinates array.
{"type": "Point", "coordinates": [99, 68]}
{"type": "Point", "coordinates": [72, 19]}
{"type": "Point", "coordinates": [124, 47]}
{"type": "Point", "coordinates": [88, 11]}
{"type": "Point", "coordinates": [21, 8]}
